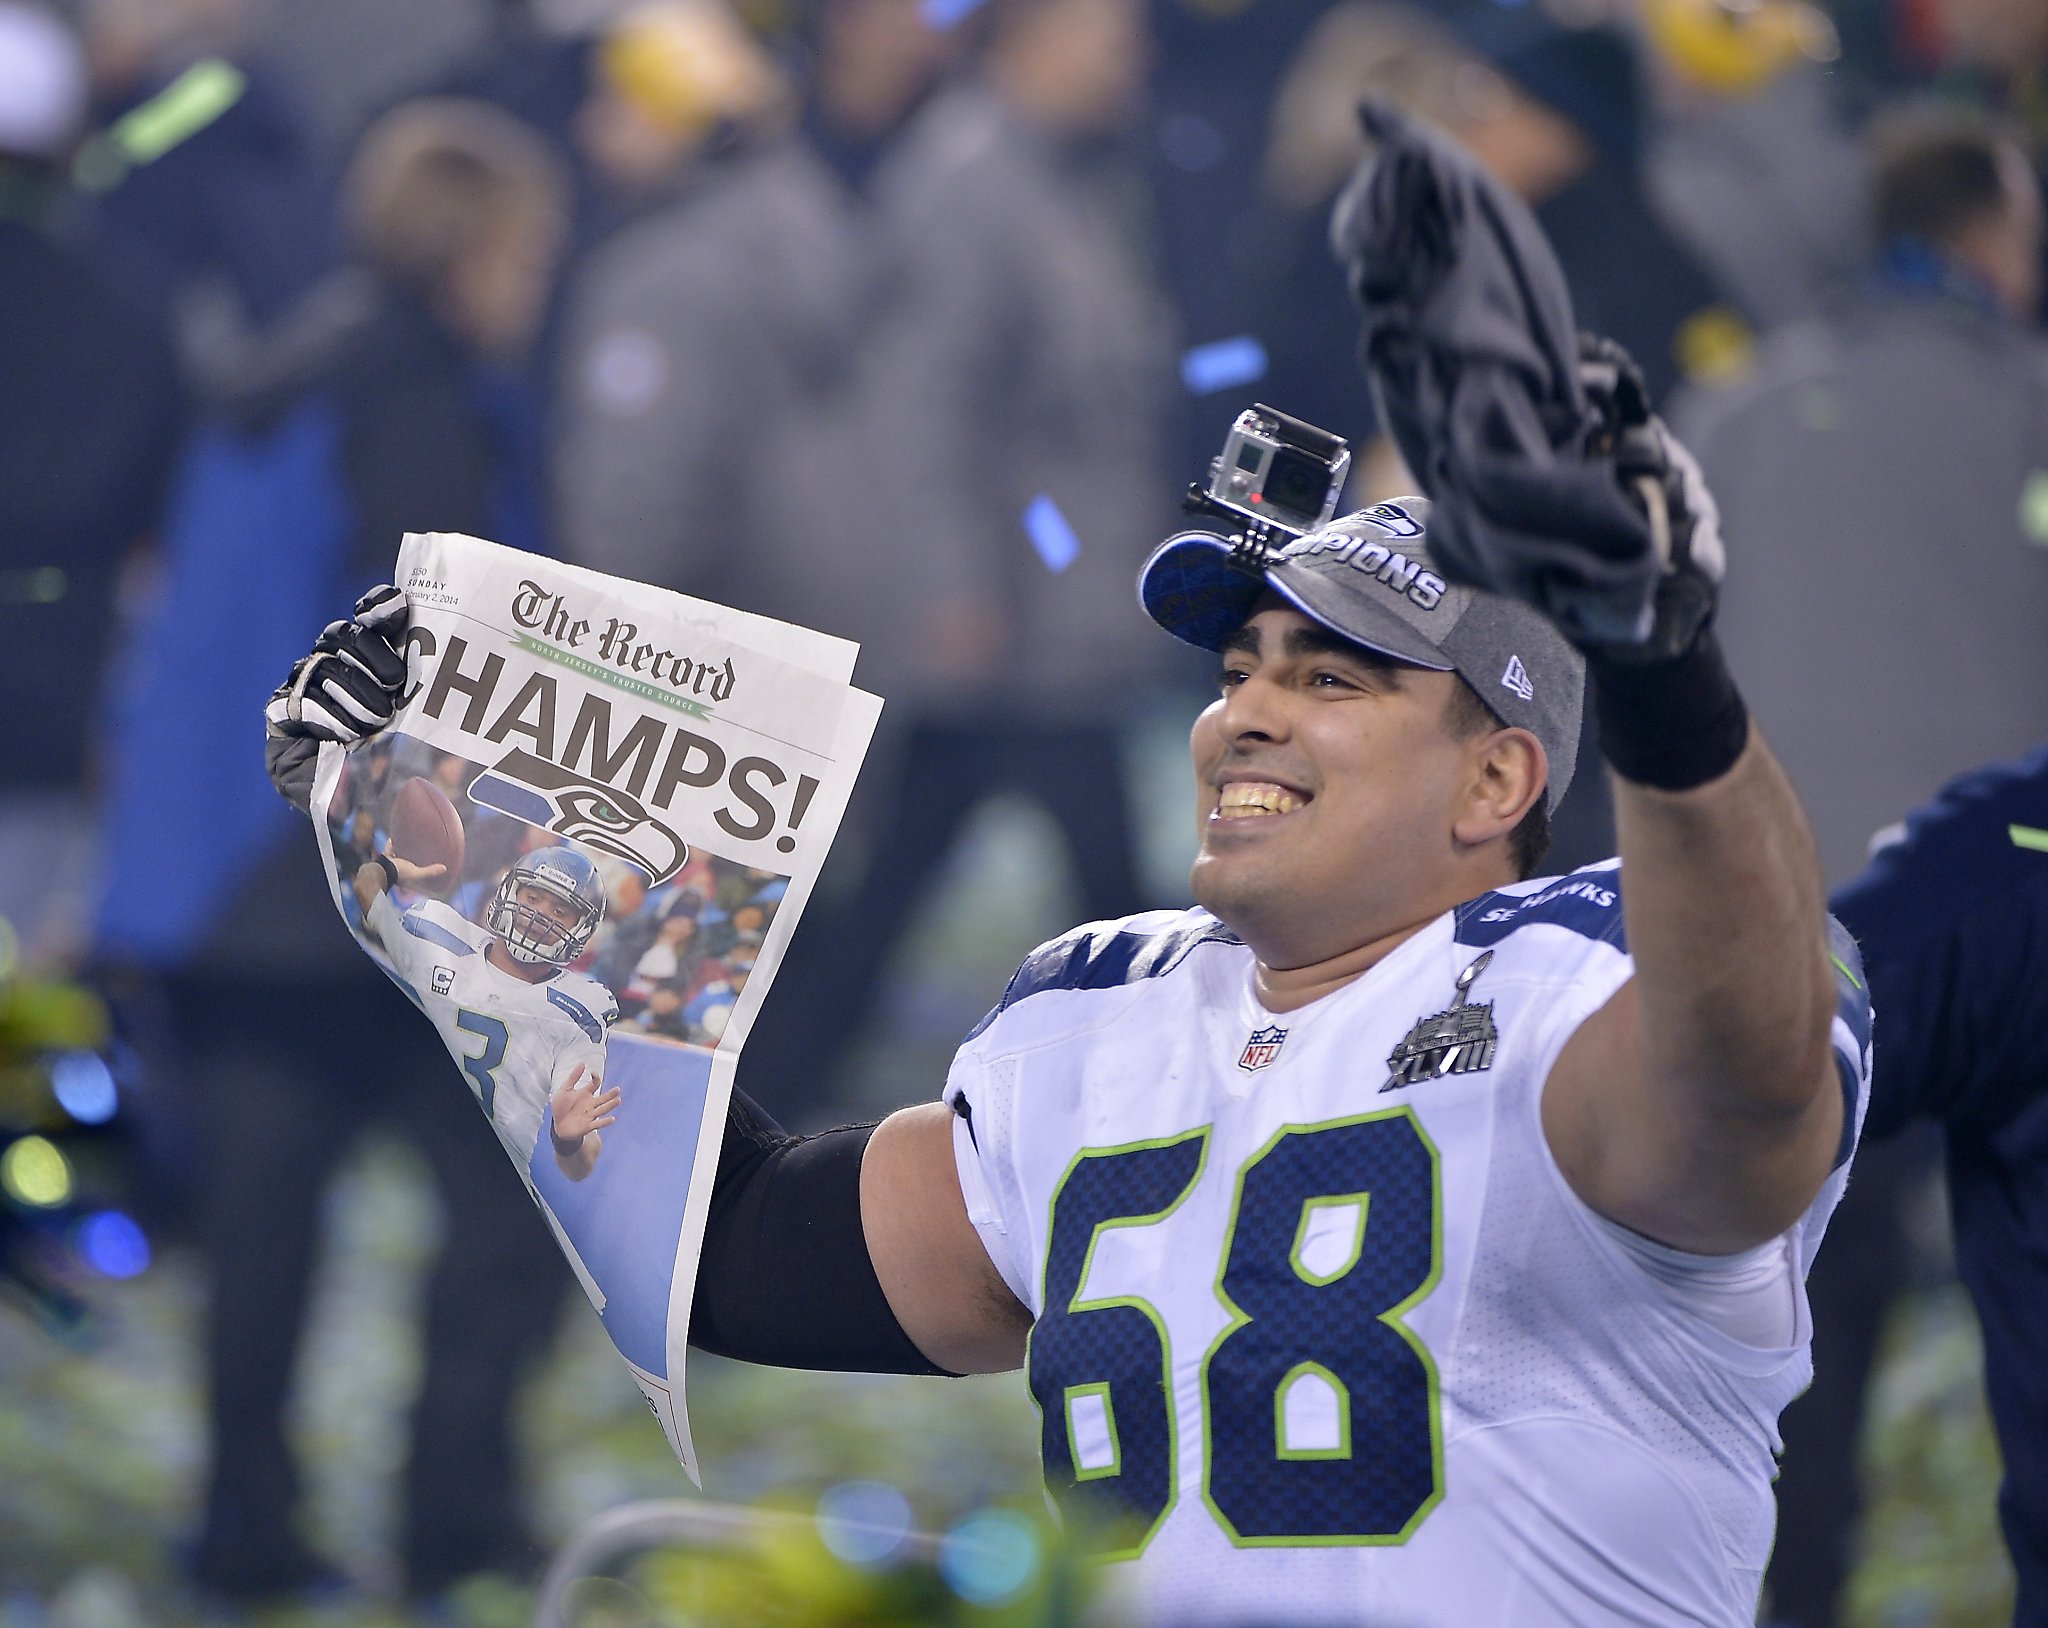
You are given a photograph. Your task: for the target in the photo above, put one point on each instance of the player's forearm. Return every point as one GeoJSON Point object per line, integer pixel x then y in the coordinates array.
{"type": "Point", "coordinates": [373, 896]}
{"type": "Point", "coordinates": [577, 1159]}
{"type": "Point", "coordinates": [1726, 923]}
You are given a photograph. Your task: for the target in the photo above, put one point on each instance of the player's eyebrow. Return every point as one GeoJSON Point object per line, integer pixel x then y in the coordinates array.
{"type": "Point", "coordinates": [1311, 640]}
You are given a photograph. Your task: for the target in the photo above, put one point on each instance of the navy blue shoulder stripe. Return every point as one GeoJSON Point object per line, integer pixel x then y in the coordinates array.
{"type": "Point", "coordinates": [434, 933]}
{"type": "Point", "coordinates": [1852, 1006]}
{"type": "Point", "coordinates": [1105, 956]}
{"type": "Point", "coordinates": [581, 1013]}
{"type": "Point", "coordinates": [1586, 902]}
{"type": "Point", "coordinates": [1852, 991]}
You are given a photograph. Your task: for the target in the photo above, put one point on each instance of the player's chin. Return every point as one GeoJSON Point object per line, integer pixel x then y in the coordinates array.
{"type": "Point", "coordinates": [1229, 876]}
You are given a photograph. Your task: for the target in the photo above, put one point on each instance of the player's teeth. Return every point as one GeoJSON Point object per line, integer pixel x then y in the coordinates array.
{"type": "Point", "coordinates": [1245, 799]}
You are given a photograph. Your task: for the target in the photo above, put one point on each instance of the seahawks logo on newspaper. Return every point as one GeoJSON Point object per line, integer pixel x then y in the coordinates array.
{"type": "Point", "coordinates": [586, 811]}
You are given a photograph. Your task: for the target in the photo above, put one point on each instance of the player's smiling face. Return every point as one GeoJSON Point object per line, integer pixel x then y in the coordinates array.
{"type": "Point", "coordinates": [1331, 792]}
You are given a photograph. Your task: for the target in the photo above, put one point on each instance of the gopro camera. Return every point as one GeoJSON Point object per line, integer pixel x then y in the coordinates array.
{"type": "Point", "coordinates": [1276, 471]}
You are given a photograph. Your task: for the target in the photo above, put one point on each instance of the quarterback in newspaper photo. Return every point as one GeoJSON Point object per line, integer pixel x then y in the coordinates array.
{"type": "Point", "coordinates": [581, 998]}
{"type": "Point", "coordinates": [530, 1033]}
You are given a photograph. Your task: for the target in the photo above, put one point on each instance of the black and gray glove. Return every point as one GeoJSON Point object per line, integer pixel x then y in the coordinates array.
{"type": "Point", "coordinates": [1664, 479]}
{"type": "Point", "coordinates": [1537, 451]}
{"type": "Point", "coordinates": [345, 688]}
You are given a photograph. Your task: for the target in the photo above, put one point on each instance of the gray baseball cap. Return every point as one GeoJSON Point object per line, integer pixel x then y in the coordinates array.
{"type": "Point", "coordinates": [1369, 577]}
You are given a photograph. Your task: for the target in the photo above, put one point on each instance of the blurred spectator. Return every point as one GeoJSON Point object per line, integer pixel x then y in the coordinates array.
{"type": "Point", "coordinates": [209, 207]}
{"type": "Point", "coordinates": [668, 960]}
{"type": "Point", "coordinates": [1988, 54]}
{"type": "Point", "coordinates": [459, 211]}
{"type": "Point", "coordinates": [88, 423]}
{"type": "Point", "coordinates": [1991, 52]}
{"type": "Point", "coordinates": [1754, 161]}
{"type": "Point", "coordinates": [1012, 400]}
{"type": "Point", "coordinates": [297, 1042]}
{"type": "Point", "coordinates": [1561, 119]}
{"type": "Point", "coordinates": [699, 336]}
{"type": "Point", "coordinates": [1884, 479]}
{"type": "Point", "coordinates": [708, 414]}
{"type": "Point", "coordinates": [1557, 113]}
{"type": "Point", "coordinates": [873, 64]}
{"type": "Point", "coordinates": [1305, 316]}
{"type": "Point", "coordinates": [1902, 441]}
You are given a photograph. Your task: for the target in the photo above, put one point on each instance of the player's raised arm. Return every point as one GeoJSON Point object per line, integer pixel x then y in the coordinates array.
{"type": "Point", "coordinates": [1702, 1106]}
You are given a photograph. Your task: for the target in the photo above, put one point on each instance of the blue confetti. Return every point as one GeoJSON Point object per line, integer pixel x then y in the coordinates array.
{"type": "Point", "coordinates": [113, 1245]}
{"type": "Point", "coordinates": [864, 1523]}
{"type": "Point", "coordinates": [947, 13]}
{"type": "Point", "coordinates": [85, 1087]}
{"type": "Point", "coordinates": [1223, 364]}
{"type": "Point", "coordinates": [989, 1558]}
{"type": "Point", "coordinates": [1051, 535]}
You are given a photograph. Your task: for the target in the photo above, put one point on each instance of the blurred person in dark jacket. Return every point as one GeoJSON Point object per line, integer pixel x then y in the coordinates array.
{"type": "Point", "coordinates": [1012, 399]}
{"type": "Point", "coordinates": [1888, 466]}
{"type": "Point", "coordinates": [1563, 122]}
{"type": "Point", "coordinates": [455, 212]}
{"type": "Point", "coordinates": [1886, 471]}
{"type": "Point", "coordinates": [209, 206]}
{"type": "Point", "coordinates": [1988, 53]}
{"type": "Point", "coordinates": [872, 63]}
{"type": "Point", "coordinates": [89, 412]}
{"type": "Point", "coordinates": [1557, 113]}
{"type": "Point", "coordinates": [1754, 159]}
{"type": "Point", "coordinates": [1991, 55]}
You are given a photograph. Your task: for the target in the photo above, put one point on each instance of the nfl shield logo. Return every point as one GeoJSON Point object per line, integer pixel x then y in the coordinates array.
{"type": "Point", "coordinates": [1262, 1048]}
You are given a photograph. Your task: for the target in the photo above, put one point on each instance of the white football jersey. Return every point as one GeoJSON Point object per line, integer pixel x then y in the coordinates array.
{"type": "Point", "coordinates": [516, 1041]}
{"type": "Point", "coordinates": [1319, 1315]}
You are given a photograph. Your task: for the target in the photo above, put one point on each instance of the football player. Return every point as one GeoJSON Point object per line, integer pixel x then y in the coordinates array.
{"type": "Point", "coordinates": [1953, 919]}
{"type": "Point", "coordinates": [529, 1033]}
{"type": "Point", "coordinates": [1400, 1238]}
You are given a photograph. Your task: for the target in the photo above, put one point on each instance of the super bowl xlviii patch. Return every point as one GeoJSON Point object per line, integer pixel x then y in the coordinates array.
{"type": "Point", "coordinates": [444, 980]}
{"type": "Point", "coordinates": [1459, 1040]}
{"type": "Point", "coordinates": [1263, 1047]}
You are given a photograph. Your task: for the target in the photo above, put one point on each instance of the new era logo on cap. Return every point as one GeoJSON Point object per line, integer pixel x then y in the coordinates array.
{"type": "Point", "coordinates": [1516, 678]}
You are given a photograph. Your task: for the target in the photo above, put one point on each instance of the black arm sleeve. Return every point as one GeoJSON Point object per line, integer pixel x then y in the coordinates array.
{"type": "Point", "coordinates": [785, 1277]}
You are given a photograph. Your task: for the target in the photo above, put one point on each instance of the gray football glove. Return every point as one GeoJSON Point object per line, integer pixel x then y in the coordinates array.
{"type": "Point", "coordinates": [346, 687]}
{"type": "Point", "coordinates": [1665, 480]}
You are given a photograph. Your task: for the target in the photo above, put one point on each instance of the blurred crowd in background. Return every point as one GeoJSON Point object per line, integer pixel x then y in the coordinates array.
{"type": "Point", "coordinates": [906, 320]}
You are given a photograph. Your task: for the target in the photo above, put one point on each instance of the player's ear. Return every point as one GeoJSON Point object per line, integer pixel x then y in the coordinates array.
{"type": "Point", "coordinates": [1508, 774]}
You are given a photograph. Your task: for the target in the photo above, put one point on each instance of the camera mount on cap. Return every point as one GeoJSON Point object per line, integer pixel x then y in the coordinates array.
{"type": "Point", "coordinates": [1277, 478]}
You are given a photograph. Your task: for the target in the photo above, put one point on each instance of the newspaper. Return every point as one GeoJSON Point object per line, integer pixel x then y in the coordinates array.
{"type": "Point", "coordinates": [581, 847]}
